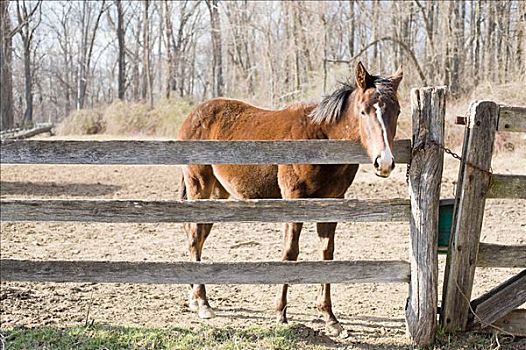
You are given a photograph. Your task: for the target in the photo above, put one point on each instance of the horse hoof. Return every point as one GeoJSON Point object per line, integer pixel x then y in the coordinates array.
{"type": "Point", "coordinates": [193, 305]}
{"type": "Point", "coordinates": [206, 312]}
{"type": "Point", "coordinates": [281, 320]}
{"type": "Point", "coordinates": [334, 328]}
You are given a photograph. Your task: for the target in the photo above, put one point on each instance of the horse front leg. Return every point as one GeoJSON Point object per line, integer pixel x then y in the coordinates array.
{"type": "Point", "coordinates": [323, 303]}
{"type": "Point", "coordinates": [197, 300]}
{"type": "Point", "coordinates": [290, 253]}
{"type": "Point", "coordinates": [198, 182]}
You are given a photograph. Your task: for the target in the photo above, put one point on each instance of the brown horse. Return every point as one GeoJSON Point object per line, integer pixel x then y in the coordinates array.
{"type": "Point", "coordinates": [366, 113]}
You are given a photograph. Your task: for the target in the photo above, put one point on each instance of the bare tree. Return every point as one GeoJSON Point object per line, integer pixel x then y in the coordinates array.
{"type": "Point", "coordinates": [58, 20]}
{"type": "Point", "coordinates": [28, 21]}
{"type": "Point", "coordinates": [122, 50]}
{"type": "Point", "coordinates": [170, 81]}
{"type": "Point", "coordinates": [268, 52]}
{"type": "Point", "coordinates": [179, 43]}
{"type": "Point", "coordinates": [352, 25]}
{"type": "Point", "coordinates": [520, 46]}
{"type": "Point", "coordinates": [217, 51]}
{"type": "Point", "coordinates": [6, 75]}
{"type": "Point", "coordinates": [146, 69]}
{"type": "Point", "coordinates": [240, 51]}
{"type": "Point", "coordinates": [91, 14]}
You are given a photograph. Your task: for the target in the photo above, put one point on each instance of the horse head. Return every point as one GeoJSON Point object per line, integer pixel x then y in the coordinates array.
{"type": "Point", "coordinates": [376, 108]}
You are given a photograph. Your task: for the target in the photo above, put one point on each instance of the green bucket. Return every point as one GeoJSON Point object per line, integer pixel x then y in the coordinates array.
{"type": "Point", "coordinates": [445, 221]}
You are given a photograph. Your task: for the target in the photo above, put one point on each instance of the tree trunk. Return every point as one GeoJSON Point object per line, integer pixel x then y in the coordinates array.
{"type": "Point", "coordinates": [145, 50]}
{"type": "Point", "coordinates": [430, 53]}
{"type": "Point", "coordinates": [297, 52]}
{"type": "Point", "coordinates": [168, 39]}
{"type": "Point", "coordinates": [28, 83]}
{"type": "Point", "coordinates": [456, 39]}
{"type": "Point", "coordinates": [396, 28]}
{"type": "Point", "coordinates": [86, 51]}
{"type": "Point", "coordinates": [352, 28]}
{"type": "Point", "coordinates": [147, 74]}
{"type": "Point", "coordinates": [122, 51]}
{"type": "Point", "coordinates": [6, 75]}
{"type": "Point", "coordinates": [521, 44]}
{"type": "Point", "coordinates": [506, 37]}
{"type": "Point", "coordinates": [490, 42]}
{"type": "Point", "coordinates": [375, 62]}
{"type": "Point", "coordinates": [159, 59]}
{"type": "Point", "coordinates": [447, 29]}
{"type": "Point", "coordinates": [26, 29]}
{"type": "Point", "coordinates": [81, 66]}
{"type": "Point", "coordinates": [136, 63]}
{"type": "Point", "coordinates": [476, 40]}
{"type": "Point", "coordinates": [217, 67]}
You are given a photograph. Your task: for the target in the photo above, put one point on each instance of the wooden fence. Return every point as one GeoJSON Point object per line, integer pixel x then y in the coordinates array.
{"type": "Point", "coordinates": [428, 110]}
{"type": "Point", "coordinates": [475, 184]}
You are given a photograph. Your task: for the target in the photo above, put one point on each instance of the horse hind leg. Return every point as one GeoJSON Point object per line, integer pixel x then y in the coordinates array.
{"type": "Point", "coordinates": [323, 303]}
{"type": "Point", "coordinates": [199, 184]}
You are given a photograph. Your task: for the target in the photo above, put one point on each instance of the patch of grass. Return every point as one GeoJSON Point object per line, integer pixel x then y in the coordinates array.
{"type": "Point", "coordinates": [108, 337]}
{"type": "Point", "coordinates": [82, 122]}
{"type": "Point", "coordinates": [114, 337]}
{"type": "Point", "coordinates": [475, 341]}
{"type": "Point", "coordinates": [121, 118]}
{"type": "Point", "coordinates": [129, 118]}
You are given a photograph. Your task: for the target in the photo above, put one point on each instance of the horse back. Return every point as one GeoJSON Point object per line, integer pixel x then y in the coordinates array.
{"type": "Point", "coordinates": [229, 119]}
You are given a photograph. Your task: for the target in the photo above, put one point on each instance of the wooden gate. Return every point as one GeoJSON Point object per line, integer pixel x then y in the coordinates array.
{"type": "Point", "coordinates": [475, 184]}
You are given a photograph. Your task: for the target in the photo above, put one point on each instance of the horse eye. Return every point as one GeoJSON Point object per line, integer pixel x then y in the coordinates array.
{"type": "Point", "coordinates": [363, 113]}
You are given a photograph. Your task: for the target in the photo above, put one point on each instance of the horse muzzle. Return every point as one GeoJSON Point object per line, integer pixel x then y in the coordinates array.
{"type": "Point", "coordinates": [383, 166]}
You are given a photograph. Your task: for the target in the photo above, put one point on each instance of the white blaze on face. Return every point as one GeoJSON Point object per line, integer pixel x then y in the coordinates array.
{"type": "Point", "coordinates": [386, 159]}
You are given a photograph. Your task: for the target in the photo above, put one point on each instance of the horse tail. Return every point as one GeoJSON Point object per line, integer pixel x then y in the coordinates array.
{"type": "Point", "coordinates": [182, 188]}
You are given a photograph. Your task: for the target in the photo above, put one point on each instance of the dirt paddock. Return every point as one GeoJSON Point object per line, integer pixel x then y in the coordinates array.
{"type": "Point", "coordinates": [373, 314]}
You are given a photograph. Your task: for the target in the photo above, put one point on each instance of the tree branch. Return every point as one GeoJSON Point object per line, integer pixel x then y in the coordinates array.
{"type": "Point", "coordinates": [396, 41]}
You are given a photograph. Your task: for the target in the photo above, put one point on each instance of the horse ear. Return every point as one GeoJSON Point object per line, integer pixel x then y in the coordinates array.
{"type": "Point", "coordinates": [396, 78]}
{"type": "Point", "coordinates": [363, 79]}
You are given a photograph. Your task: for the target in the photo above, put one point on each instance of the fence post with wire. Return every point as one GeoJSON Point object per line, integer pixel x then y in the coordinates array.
{"type": "Point", "coordinates": [476, 182]}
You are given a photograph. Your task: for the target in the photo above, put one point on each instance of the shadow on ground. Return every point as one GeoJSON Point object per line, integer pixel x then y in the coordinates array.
{"type": "Point", "coordinates": [54, 189]}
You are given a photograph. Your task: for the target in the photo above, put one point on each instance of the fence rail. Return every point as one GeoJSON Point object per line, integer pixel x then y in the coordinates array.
{"type": "Point", "coordinates": [514, 323]}
{"type": "Point", "coordinates": [512, 118]}
{"type": "Point", "coordinates": [499, 255]}
{"type": "Point", "coordinates": [192, 152]}
{"type": "Point", "coordinates": [254, 210]}
{"type": "Point", "coordinates": [499, 301]}
{"type": "Point", "coordinates": [303, 272]}
{"type": "Point", "coordinates": [507, 186]}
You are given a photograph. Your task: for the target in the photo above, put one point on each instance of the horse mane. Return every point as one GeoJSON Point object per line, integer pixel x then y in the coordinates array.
{"type": "Point", "coordinates": [331, 107]}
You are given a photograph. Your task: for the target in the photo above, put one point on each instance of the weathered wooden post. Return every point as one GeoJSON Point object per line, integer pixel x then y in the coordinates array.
{"type": "Point", "coordinates": [428, 109]}
{"type": "Point", "coordinates": [472, 188]}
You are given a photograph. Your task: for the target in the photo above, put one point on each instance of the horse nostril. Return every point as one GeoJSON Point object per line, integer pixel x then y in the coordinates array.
{"type": "Point", "coordinates": [392, 166]}
{"type": "Point", "coordinates": [376, 164]}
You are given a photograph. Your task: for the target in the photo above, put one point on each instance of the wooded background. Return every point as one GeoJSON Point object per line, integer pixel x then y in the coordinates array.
{"type": "Point", "coordinates": [60, 56]}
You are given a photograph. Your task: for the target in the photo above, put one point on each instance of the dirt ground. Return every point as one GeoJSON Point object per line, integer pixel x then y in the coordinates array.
{"type": "Point", "coordinates": [373, 314]}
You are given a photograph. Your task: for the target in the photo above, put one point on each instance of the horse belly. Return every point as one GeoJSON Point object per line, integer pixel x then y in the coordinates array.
{"type": "Point", "coordinates": [248, 181]}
